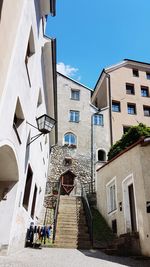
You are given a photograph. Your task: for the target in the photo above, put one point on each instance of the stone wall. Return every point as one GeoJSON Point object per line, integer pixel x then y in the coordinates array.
{"type": "Point", "coordinates": [65, 158]}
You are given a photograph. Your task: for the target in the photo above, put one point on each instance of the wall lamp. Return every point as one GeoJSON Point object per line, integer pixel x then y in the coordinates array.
{"type": "Point", "coordinates": [44, 124]}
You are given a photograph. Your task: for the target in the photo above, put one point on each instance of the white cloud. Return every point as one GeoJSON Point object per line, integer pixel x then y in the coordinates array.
{"type": "Point", "coordinates": [66, 69]}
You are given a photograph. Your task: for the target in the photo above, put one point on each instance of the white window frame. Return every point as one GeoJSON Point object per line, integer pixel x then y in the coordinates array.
{"type": "Point", "coordinates": [70, 143]}
{"type": "Point", "coordinates": [98, 119]}
{"type": "Point", "coordinates": [74, 115]}
{"type": "Point", "coordinates": [111, 199]}
{"type": "Point", "coordinates": [75, 94]}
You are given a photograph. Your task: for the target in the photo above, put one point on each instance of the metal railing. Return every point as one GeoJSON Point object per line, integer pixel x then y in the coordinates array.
{"type": "Point", "coordinates": [88, 213]}
{"type": "Point", "coordinates": [56, 212]}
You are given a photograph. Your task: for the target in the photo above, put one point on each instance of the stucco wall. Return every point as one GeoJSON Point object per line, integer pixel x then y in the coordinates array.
{"type": "Point", "coordinates": [17, 19]}
{"type": "Point", "coordinates": [132, 165]}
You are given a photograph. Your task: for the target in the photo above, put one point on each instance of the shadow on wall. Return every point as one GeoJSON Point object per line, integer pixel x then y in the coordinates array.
{"type": "Point", "coordinates": [1, 4]}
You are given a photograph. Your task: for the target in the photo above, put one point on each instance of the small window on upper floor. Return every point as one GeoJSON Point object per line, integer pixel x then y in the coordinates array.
{"type": "Point", "coordinates": [131, 109]}
{"type": "Point", "coordinates": [98, 119]}
{"type": "Point", "coordinates": [148, 75]}
{"type": "Point", "coordinates": [130, 89]}
{"type": "Point", "coordinates": [29, 53]}
{"type": "Point", "coordinates": [135, 73]}
{"type": "Point", "coordinates": [18, 120]}
{"type": "Point", "coordinates": [116, 106]}
{"type": "Point", "coordinates": [146, 110]}
{"type": "Point", "coordinates": [75, 94]}
{"type": "Point", "coordinates": [101, 155]}
{"type": "Point", "coordinates": [144, 91]}
{"type": "Point", "coordinates": [74, 116]}
{"type": "Point", "coordinates": [39, 99]}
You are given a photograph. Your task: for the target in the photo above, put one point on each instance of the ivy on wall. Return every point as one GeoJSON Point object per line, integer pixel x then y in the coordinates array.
{"type": "Point", "coordinates": [129, 138]}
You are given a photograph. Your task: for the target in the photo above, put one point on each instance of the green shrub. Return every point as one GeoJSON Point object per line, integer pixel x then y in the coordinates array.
{"type": "Point", "coordinates": [129, 138]}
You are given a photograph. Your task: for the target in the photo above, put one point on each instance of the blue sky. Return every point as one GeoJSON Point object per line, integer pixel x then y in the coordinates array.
{"type": "Point", "coordinates": [92, 35]}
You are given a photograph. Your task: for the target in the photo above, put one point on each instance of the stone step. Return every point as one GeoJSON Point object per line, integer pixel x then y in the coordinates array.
{"type": "Point", "coordinates": [70, 231]}
{"type": "Point", "coordinates": [83, 245]}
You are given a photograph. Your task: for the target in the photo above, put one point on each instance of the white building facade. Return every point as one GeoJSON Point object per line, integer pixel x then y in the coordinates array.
{"type": "Point", "coordinates": [27, 91]}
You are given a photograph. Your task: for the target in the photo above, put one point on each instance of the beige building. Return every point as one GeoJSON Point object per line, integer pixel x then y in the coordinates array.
{"type": "Point", "coordinates": [27, 91]}
{"type": "Point", "coordinates": [125, 89]}
{"type": "Point", "coordinates": [123, 192]}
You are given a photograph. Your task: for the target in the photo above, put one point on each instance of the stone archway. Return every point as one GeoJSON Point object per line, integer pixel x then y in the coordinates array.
{"type": "Point", "coordinates": [67, 182]}
{"type": "Point", "coordinates": [8, 188]}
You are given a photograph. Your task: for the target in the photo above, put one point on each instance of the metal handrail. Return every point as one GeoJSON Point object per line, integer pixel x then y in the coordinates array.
{"type": "Point", "coordinates": [88, 213]}
{"type": "Point", "coordinates": [56, 213]}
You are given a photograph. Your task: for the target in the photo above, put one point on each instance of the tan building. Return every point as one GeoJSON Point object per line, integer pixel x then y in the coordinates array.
{"type": "Point", "coordinates": [125, 89]}
{"type": "Point", "coordinates": [123, 192]}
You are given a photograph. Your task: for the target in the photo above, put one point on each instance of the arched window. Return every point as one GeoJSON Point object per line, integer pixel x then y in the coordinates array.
{"type": "Point", "coordinates": [70, 139]}
{"type": "Point", "coordinates": [101, 155]}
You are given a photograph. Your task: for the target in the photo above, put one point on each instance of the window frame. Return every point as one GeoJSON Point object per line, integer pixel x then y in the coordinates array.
{"type": "Point", "coordinates": [73, 93]}
{"type": "Point", "coordinates": [115, 103]}
{"type": "Point", "coordinates": [146, 88]}
{"type": "Point", "coordinates": [130, 105]}
{"type": "Point", "coordinates": [74, 116]}
{"type": "Point", "coordinates": [98, 119]}
{"type": "Point", "coordinates": [131, 90]}
{"type": "Point", "coordinates": [111, 205]}
{"type": "Point", "coordinates": [146, 108]}
{"type": "Point", "coordinates": [70, 137]}
{"type": "Point", "coordinates": [148, 75]}
{"type": "Point", "coordinates": [104, 155]}
{"type": "Point", "coordinates": [135, 72]}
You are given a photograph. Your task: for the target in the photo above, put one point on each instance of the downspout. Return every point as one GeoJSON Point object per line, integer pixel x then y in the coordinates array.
{"type": "Point", "coordinates": [110, 107]}
{"type": "Point", "coordinates": [55, 86]}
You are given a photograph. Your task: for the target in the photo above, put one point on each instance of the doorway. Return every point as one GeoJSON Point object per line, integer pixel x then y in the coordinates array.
{"type": "Point", "coordinates": [129, 205]}
{"type": "Point", "coordinates": [132, 208]}
{"type": "Point", "coordinates": [67, 182]}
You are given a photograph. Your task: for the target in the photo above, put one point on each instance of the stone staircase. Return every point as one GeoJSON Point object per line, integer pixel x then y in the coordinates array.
{"type": "Point", "coordinates": [71, 230]}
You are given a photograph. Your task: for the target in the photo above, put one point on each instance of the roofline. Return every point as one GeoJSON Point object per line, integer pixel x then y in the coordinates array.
{"type": "Point", "coordinates": [136, 61]}
{"type": "Point", "coordinates": [105, 70]}
{"type": "Point", "coordinates": [75, 81]}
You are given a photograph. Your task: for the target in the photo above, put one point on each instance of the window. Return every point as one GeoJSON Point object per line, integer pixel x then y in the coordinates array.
{"type": "Point", "coordinates": [29, 53]}
{"type": "Point", "coordinates": [111, 196]}
{"type": "Point", "coordinates": [135, 73]}
{"type": "Point", "coordinates": [34, 202]}
{"type": "Point", "coordinates": [148, 75]}
{"type": "Point", "coordinates": [144, 91]}
{"type": "Point", "coordinates": [18, 120]}
{"type": "Point", "coordinates": [27, 188]}
{"type": "Point", "coordinates": [70, 139]}
{"type": "Point", "coordinates": [74, 116]}
{"type": "Point", "coordinates": [146, 110]}
{"type": "Point", "coordinates": [131, 109]}
{"type": "Point", "coordinates": [101, 155]}
{"type": "Point", "coordinates": [129, 89]}
{"type": "Point", "coordinates": [126, 129]}
{"type": "Point", "coordinates": [115, 106]}
{"type": "Point", "coordinates": [98, 119]}
{"type": "Point", "coordinates": [75, 94]}
{"type": "Point", "coordinates": [39, 98]}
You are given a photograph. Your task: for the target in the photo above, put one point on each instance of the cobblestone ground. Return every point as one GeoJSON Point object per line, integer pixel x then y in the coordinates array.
{"type": "Point", "coordinates": [52, 257]}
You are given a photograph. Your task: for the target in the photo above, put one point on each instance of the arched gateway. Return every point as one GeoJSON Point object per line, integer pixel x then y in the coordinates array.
{"type": "Point", "coordinates": [8, 188]}
{"type": "Point", "coordinates": [67, 182]}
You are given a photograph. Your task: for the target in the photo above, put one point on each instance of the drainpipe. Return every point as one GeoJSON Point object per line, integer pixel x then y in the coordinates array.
{"type": "Point", "coordinates": [110, 107]}
{"type": "Point", "coordinates": [92, 148]}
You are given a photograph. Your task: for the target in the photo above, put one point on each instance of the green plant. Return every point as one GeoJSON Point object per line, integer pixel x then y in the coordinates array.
{"type": "Point", "coordinates": [129, 138]}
